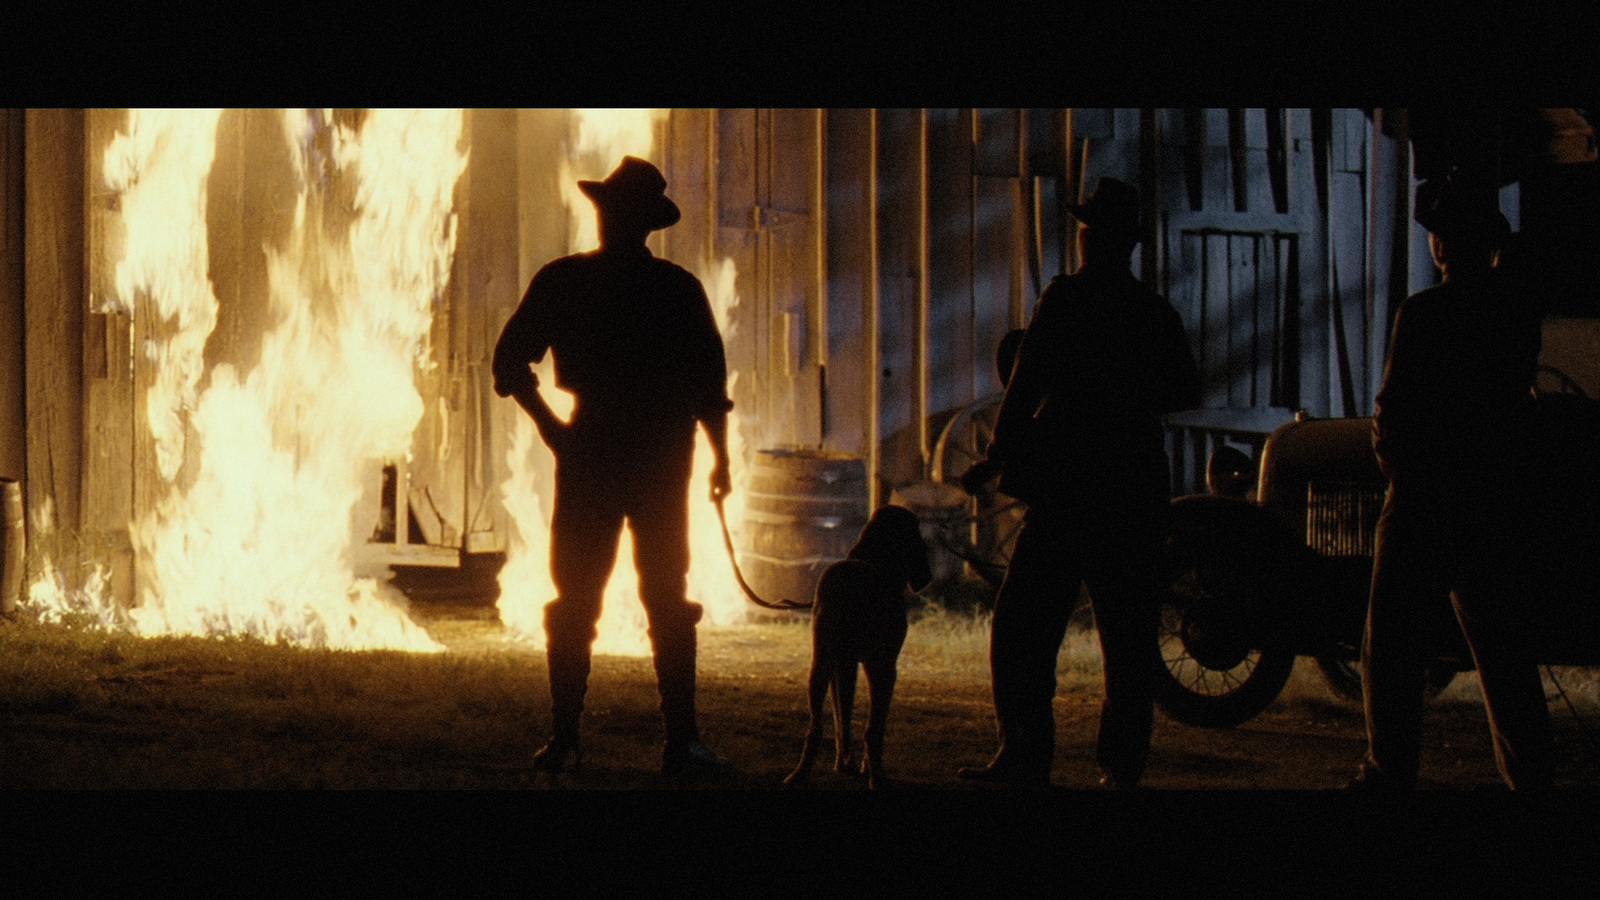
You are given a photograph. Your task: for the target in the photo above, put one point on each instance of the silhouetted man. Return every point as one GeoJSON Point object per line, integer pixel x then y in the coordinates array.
{"type": "Point", "coordinates": [635, 342]}
{"type": "Point", "coordinates": [1079, 438]}
{"type": "Point", "coordinates": [1449, 429]}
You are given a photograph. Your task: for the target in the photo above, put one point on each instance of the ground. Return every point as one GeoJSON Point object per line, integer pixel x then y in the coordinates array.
{"type": "Point", "coordinates": [94, 710]}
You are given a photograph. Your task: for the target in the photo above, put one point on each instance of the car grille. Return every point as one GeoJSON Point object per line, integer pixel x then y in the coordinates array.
{"type": "Point", "coordinates": [1342, 516]}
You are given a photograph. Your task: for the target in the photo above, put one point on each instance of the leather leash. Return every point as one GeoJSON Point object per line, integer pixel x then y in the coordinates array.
{"type": "Point", "coordinates": [727, 541]}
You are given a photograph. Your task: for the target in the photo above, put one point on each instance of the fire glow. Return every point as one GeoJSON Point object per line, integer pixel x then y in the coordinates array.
{"type": "Point", "coordinates": [600, 139]}
{"type": "Point", "coordinates": [253, 535]}
{"type": "Point", "coordinates": [264, 471]}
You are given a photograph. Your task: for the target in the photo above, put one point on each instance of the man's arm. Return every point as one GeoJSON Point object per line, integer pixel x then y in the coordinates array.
{"type": "Point", "coordinates": [721, 477]}
{"type": "Point", "coordinates": [708, 382]}
{"type": "Point", "coordinates": [522, 343]}
{"type": "Point", "coordinates": [552, 430]}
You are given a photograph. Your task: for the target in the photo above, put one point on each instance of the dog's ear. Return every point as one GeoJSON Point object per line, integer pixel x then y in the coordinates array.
{"type": "Point", "coordinates": [893, 540]}
{"type": "Point", "coordinates": [898, 537]}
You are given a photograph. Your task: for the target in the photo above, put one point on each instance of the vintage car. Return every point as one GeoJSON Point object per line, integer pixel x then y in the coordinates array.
{"type": "Point", "coordinates": [1276, 563]}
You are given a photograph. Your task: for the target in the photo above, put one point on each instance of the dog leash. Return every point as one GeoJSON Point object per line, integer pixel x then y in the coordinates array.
{"type": "Point", "coordinates": [727, 541]}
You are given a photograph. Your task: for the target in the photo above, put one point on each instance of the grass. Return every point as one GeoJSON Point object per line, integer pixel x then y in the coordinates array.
{"type": "Point", "coordinates": [85, 708]}
{"type": "Point", "coordinates": [88, 708]}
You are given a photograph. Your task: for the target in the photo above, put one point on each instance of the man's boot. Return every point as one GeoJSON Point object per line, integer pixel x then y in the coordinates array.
{"type": "Point", "coordinates": [1024, 758]}
{"type": "Point", "coordinates": [568, 645]}
{"type": "Point", "coordinates": [674, 642]}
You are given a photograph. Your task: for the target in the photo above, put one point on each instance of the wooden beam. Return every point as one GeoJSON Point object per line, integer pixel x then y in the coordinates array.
{"type": "Point", "coordinates": [54, 164]}
{"type": "Point", "coordinates": [13, 375]}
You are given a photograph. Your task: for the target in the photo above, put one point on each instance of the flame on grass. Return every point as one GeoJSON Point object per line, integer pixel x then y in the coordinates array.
{"type": "Point", "coordinates": [600, 139]}
{"type": "Point", "coordinates": [254, 534]}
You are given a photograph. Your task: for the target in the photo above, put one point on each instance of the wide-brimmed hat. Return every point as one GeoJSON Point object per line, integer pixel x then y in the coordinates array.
{"type": "Point", "coordinates": [1450, 209]}
{"type": "Point", "coordinates": [1113, 207]}
{"type": "Point", "coordinates": [634, 188]}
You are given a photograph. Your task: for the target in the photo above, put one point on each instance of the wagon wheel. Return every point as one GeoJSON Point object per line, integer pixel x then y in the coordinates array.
{"type": "Point", "coordinates": [1564, 382]}
{"type": "Point", "coordinates": [1219, 666]}
{"type": "Point", "coordinates": [965, 439]}
{"type": "Point", "coordinates": [997, 518]}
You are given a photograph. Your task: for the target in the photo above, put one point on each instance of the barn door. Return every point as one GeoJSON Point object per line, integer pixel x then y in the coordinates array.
{"type": "Point", "coordinates": [1238, 294]}
{"type": "Point", "coordinates": [1235, 300]}
{"type": "Point", "coordinates": [766, 187]}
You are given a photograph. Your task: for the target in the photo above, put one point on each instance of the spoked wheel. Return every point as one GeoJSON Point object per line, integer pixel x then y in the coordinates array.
{"type": "Point", "coordinates": [1221, 659]}
{"type": "Point", "coordinates": [1344, 677]}
{"type": "Point", "coordinates": [997, 519]}
{"type": "Point", "coordinates": [1210, 676]}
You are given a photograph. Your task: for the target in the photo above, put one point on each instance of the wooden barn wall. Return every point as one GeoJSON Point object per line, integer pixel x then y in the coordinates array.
{"type": "Point", "coordinates": [13, 375]}
{"type": "Point", "coordinates": [763, 203]}
{"type": "Point", "coordinates": [1282, 235]}
{"type": "Point", "coordinates": [54, 298]}
{"type": "Point", "coordinates": [880, 256]}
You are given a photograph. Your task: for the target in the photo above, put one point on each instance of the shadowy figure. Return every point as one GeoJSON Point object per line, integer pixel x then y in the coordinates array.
{"type": "Point", "coordinates": [1079, 439]}
{"type": "Point", "coordinates": [635, 342]}
{"type": "Point", "coordinates": [860, 621]}
{"type": "Point", "coordinates": [1450, 427]}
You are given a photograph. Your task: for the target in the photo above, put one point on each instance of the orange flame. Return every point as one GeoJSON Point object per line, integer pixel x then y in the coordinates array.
{"type": "Point", "coordinates": [255, 537]}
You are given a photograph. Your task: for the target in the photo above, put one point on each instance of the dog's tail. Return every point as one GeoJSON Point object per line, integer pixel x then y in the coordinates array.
{"type": "Point", "coordinates": [749, 592]}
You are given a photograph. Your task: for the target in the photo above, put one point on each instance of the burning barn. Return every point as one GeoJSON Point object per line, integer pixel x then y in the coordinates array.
{"type": "Point", "coordinates": [246, 372]}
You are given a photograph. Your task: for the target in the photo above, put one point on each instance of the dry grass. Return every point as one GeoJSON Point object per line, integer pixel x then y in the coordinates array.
{"type": "Point", "coordinates": [83, 708]}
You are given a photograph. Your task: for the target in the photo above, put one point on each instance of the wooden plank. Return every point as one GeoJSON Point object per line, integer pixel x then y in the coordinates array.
{"type": "Point", "coordinates": [998, 149]}
{"type": "Point", "coordinates": [899, 335]}
{"type": "Point", "coordinates": [1096, 123]}
{"type": "Point", "coordinates": [1278, 158]}
{"type": "Point", "coordinates": [485, 270]}
{"type": "Point", "coordinates": [1238, 168]}
{"type": "Point", "coordinates": [1174, 200]}
{"type": "Point", "coordinates": [952, 350]}
{"type": "Point", "coordinates": [1216, 371]}
{"type": "Point", "coordinates": [999, 299]}
{"type": "Point", "coordinates": [850, 376]}
{"type": "Point", "coordinates": [1244, 351]}
{"type": "Point", "coordinates": [790, 235]}
{"type": "Point", "coordinates": [1268, 302]}
{"type": "Point", "coordinates": [1188, 291]}
{"type": "Point", "coordinates": [736, 205]}
{"type": "Point", "coordinates": [1286, 364]}
{"type": "Point", "coordinates": [13, 318]}
{"type": "Point", "coordinates": [1348, 355]}
{"type": "Point", "coordinates": [1046, 146]}
{"type": "Point", "coordinates": [54, 161]}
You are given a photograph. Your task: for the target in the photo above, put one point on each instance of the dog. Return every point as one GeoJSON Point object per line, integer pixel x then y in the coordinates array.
{"type": "Point", "coordinates": [859, 619]}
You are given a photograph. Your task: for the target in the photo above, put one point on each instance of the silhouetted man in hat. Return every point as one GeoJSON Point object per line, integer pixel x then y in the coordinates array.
{"type": "Point", "coordinates": [634, 340]}
{"type": "Point", "coordinates": [1450, 428]}
{"type": "Point", "coordinates": [1079, 438]}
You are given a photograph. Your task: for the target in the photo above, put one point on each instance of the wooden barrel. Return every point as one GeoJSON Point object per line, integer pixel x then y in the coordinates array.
{"type": "Point", "coordinates": [803, 511]}
{"type": "Point", "coordinates": [13, 546]}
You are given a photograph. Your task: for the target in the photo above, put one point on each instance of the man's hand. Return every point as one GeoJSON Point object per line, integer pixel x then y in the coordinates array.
{"type": "Point", "coordinates": [976, 478]}
{"type": "Point", "coordinates": [511, 384]}
{"type": "Point", "coordinates": [525, 390]}
{"type": "Point", "coordinates": [721, 481]}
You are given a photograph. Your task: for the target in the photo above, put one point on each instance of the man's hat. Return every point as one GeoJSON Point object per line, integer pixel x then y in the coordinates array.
{"type": "Point", "coordinates": [634, 188]}
{"type": "Point", "coordinates": [1449, 209]}
{"type": "Point", "coordinates": [1113, 207]}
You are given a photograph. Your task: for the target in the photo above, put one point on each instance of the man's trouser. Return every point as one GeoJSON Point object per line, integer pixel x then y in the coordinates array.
{"type": "Point", "coordinates": [1114, 550]}
{"type": "Point", "coordinates": [1431, 553]}
{"type": "Point", "coordinates": [593, 499]}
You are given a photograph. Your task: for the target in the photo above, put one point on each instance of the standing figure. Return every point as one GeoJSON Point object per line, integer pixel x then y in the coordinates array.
{"type": "Point", "coordinates": [1450, 426]}
{"type": "Point", "coordinates": [635, 341]}
{"type": "Point", "coordinates": [1079, 439]}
